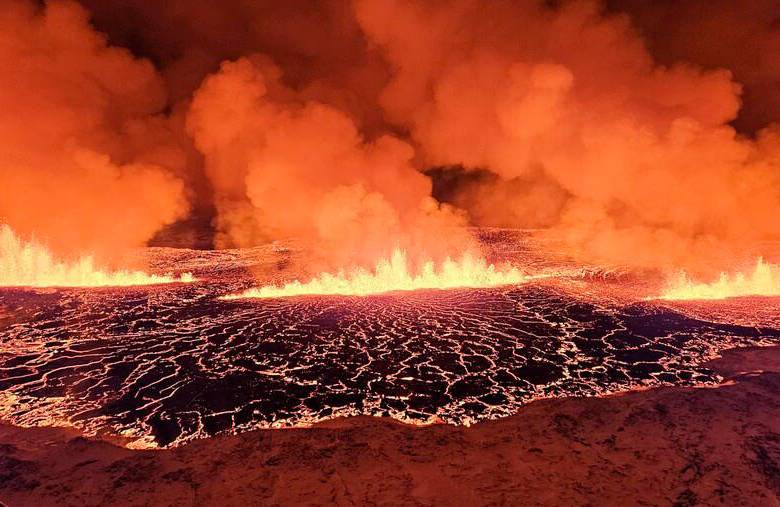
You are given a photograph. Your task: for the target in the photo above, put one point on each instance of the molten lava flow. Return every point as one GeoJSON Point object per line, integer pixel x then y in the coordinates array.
{"type": "Point", "coordinates": [764, 280]}
{"type": "Point", "coordinates": [32, 265]}
{"type": "Point", "coordinates": [395, 275]}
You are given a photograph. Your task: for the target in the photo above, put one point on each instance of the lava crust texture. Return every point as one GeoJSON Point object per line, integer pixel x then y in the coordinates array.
{"type": "Point", "coordinates": [166, 364]}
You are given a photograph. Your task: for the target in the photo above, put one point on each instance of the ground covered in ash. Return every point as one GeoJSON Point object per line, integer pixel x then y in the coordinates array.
{"type": "Point", "coordinates": [167, 364]}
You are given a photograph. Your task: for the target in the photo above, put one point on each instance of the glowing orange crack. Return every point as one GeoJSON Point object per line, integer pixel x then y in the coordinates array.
{"type": "Point", "coordinates": [32, 265]}
{"type": "Point", "coordinates": [394, 274]}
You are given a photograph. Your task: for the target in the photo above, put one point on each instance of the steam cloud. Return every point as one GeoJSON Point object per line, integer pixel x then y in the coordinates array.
{"type": "Point", "coordinates": [626, 160]}
{"type": "Point", "coordinates": [85, 163]}
{"type": "Point", "coordinates": [613, 126]}
{"type": "Point", "coordinates": [283, 166]}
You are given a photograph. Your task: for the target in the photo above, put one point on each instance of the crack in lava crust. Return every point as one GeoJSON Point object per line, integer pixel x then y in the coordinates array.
{"type": "Point", "coordinates": [165, 365]}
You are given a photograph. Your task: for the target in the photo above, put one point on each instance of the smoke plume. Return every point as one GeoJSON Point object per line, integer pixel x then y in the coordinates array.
{"type": "Point", "coordinates": [85, 163]}
{"type": "Point", "coordinates": [743, 37]}
{"type": "Point", "coordinates": [632, 132]}
{"type": "Point", "coordinates": [283, 166]}
{"type": "Point", "coordinates": [637, 160]}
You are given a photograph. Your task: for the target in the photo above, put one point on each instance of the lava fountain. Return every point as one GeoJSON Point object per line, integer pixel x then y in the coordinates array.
{"type": "Point", "coordinates": [763, 280]}
{"type": "Point", "coordinates": [29, 264]}
{"type": "Point", "coordinates": [396, 274]}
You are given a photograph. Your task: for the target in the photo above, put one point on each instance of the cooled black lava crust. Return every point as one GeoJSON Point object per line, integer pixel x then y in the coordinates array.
{"type": "Point", "coordinates": [175, 363]}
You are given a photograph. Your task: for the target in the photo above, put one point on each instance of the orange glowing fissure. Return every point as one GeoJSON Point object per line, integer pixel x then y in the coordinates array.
{"type": "Point", "coordinates": [29, 264]}
{"type": "Point", "coordinates": [763, 280]}
{"type": "Point", "coordinates": [396, 274]}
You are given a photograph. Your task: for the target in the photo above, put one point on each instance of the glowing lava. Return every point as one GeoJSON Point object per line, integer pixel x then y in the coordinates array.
{"type": "Point", "coordinates": [764, 280]}
{"type": "Point", "coordinates": [32, 265]}
{"type": "Point", "coordinates": [395, 274]}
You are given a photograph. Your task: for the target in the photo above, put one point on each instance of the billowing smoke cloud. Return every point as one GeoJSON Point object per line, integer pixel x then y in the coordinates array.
{"type": "Point", "coordinates": [318, 43]}
{"type": "Point", "coordinates": [85, 165]}
{"type": "Point", "coordinates": [743, 37]}
{"type": "Point", "coordinates": [619, 134]}
{"type": "Point", "coordinates": [569, 100]}
{"type": "Point", "coordinates": [283, 166]}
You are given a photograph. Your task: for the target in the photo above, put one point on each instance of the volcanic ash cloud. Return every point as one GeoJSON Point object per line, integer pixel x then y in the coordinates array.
{"type": "Point", "coordinates": [282, 166]}
{"type": "Point", "coordinates": [629, 161]}
{"type": "Point", "coordinates": [85, 165]}
{"type": "Point", "coordinates": [316, 119]}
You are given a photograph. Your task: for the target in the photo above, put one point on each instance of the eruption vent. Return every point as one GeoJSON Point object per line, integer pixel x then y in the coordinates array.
{"type": "Point", "coordinates": [396, 274]}
{"type": "Point", "coordinates": [764, 280]}
{"type": "Point", "coordinates": [32, 265]}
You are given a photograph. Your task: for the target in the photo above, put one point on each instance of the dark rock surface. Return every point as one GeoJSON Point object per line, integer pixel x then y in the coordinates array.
{"type": "Point", "coordinates": [664, 446]}
{"type": "Point", "coordinates": [171, 364]}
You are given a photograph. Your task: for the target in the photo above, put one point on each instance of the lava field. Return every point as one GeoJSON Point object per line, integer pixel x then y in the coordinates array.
{"type": "Point", "coordinates": [165, 364]}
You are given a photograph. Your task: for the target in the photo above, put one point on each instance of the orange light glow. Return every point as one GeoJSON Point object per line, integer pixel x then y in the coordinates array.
{"type": "Point", "coordinates": [764, 280]}
{"type": "Point", "coordinates": [395, 274]}
{"type": "Point", "coordinates": [32, 265]}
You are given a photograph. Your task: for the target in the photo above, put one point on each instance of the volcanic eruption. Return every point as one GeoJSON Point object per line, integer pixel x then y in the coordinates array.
{"type": "Point", "coordinates": [217, 217]}
{"type": "Point", "coordinates": [762, 280]}
{"type": "Point", "coordinates": [286, 133]}
{"type": "Point", "coordinates": [31, 265]}
{"type": "Point", "coordinates": [394, 275]}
